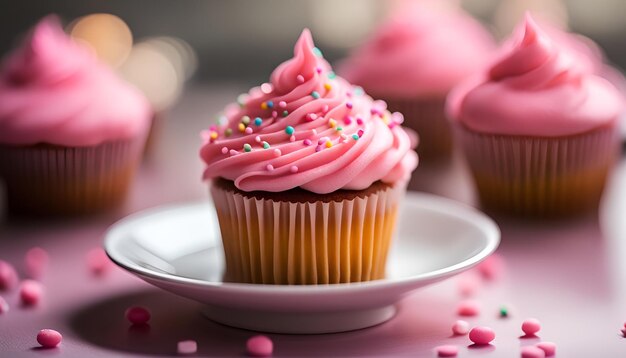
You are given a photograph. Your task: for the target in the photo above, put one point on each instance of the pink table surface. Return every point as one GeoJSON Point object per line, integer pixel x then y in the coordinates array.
{"type": "Point", "coordinates": [570, 275]}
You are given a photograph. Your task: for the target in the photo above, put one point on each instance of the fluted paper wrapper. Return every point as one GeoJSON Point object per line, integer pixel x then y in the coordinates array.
{"type": "Point", "coordinates": [281, 242]}
{"type": "Point", "coordinates": [427, 117]}
{"type": "Point", "coordinates": [540, 177]}
{"type": "Point", "coordinates": [54, 180]}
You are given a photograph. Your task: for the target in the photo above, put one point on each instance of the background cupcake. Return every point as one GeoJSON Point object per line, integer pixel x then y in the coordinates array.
{"type": "Point", "coordinates": [538, 129]}
{"type": "Point", "coordinates": [307, 173]}
{"type": "Point", "coordinates": [414, 59]}
{"type": "Point", "coordinates": [71, 132]}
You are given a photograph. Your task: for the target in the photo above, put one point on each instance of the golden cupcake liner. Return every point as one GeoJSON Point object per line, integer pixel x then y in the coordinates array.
{"type": "Point", "coordinates": [428, 118]}
{"type": "Point", "coordinates": [54, 180]}
{"type": "Point", "coordinates": [281, 242]}
{"type": "Point", "coordinates": [540, 177]}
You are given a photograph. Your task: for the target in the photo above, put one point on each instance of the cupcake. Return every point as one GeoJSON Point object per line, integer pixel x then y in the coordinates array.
{"type": "Point", "coordinates": [413, 60]}
{"type": "Point", "coordinates": [71, 132]}
{"type": "Point", "coordinates": [539, 131]}
{"type": "Point", "coordinates": [306, 174]}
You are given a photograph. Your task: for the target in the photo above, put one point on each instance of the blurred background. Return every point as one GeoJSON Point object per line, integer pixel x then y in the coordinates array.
{"type": "Point", "coordinates": [244, 40]}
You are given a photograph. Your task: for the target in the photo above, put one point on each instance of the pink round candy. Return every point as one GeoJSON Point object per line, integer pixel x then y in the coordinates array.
{"type": "Point", "coordinates": [4, 306]}
{"type": "Point", "coordinates": [36, 262]}
{"type": "Point", "coordinates": [482, 335]}
{"type": "Point", "coordinates": [260, 346]}
{"type": "Point", "coordinates": [8, 276]}
{"type": "Point", "coordinates": [137, 315]}
{"type": "Point", "coordinates": [468, 308]}
{"type": "Point", "coordinates": [49, 338]}
{"type": "Point", "coordinates": [548, 348]}
{"type": "Point", "coordinates": [30, 292]}
{"type": "Point", "coordinates": [532, 352]}
{"type": "Point", "coordinates": [460, 328]}
{"type": "Point", "coordinates": [98, 262]}
{"type": "Point", "coordinates": [531, 326]}
{"type": "Point", "coordinates": [492, 268]}
{"type": "Point", "coordinates": [447, 351]}
{"type": "Point", "coordinates": [187, 347]}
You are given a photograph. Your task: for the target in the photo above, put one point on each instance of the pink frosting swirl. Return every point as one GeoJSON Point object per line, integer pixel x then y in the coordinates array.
{"type": "Point", "coordinates": [423, 50]}
{"type": "Point", "coordinates": [536, 89]}
{"type": "Point", "coordinates": [307, 128]}
{"type": "Point", "coordinates": [53, 90]}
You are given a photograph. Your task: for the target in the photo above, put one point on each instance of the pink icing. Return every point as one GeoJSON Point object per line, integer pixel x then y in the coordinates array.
{"type": "Point", "coordinates": [422, 50]}
{"type": "Point", "coordinates": [535, 89]}
{"type": "Point", "coordinates": [53, 90]}
{"type": "Point", "coordinates": [317, 156]}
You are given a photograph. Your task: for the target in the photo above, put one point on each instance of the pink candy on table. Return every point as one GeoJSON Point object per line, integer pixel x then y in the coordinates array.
{"type": "Point", "coordinates": [482, 335]}
{"type": "Point", "coordinates": [548, 348]}
{"type": "Point", "coordinates": [4, 306]}
{"type": "Point", "coordinates": [30, 292]}
{"type": "Point", "coordinates": [531, 326]}
{"type": "Point", "coordinates": [460, 328]}
{"type": "Point", "coordinates": [36, 260]}
{"type": "Point", "coordinates": [137, 315]}
{"type": "Point", "coordinates": [468, 283]}
{"type": "Point", "coordinates": [8, 276]}
{"type": "Point", "coordinates": [98, 262]}
{"type": "Point", "coordinates": [260, 346]}
{"type": "Point", "coordinates": [49, 338]}
{"type": "Point", "coordinates": [187, 347]}
{"type": "Point", "coordinates": [492, 267]}
{"type": "Point", "coordinates": [468, 308]}
{"type": "Point", "coordinates": [447, 351]}
{"type": "Point", "coordinates": [532, 352]}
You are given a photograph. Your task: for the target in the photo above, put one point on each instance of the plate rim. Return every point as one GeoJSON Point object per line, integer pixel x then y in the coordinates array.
{"type": "Point", "coordinates": [475, 216]}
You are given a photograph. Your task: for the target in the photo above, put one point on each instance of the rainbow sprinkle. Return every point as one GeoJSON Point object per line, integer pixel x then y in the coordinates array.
{"type": "Point", "coordinates": [228, 132]}
{"type": "Point", "coordinates": [289, 130]}
{"type": "Point", "coordinates": [355, 137]}
{"type": "Point", "coordinates": [241, 127]}
{"type": "Point", "coordinates": [315, 94]}
{"type": "Point", "coordinates": [245, 120]}
{"type": "Point", "coordinates": [266, 145]}
{"type": "Point", "coordinates": [258, 121]}
{"type": "Point", "coordinates": [247, 147]}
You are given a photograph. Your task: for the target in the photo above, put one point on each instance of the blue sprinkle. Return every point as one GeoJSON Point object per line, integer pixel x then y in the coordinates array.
{"type": "Point", "coordinates": [258, 121]}
{"type": "Point", "coordinates": [317, 52]}
{"type": "Point", "coordinates": [315, 95]}
{"type": "Point", "coordinates": [270, 104]}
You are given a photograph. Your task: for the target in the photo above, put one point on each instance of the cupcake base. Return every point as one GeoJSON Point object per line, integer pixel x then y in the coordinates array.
{"type": "Point", "coordinates": [297, 237]}
{"type": "Point", "coordinates": [52, 180]}
{"type": "Point", "coordinates": [540, 177]}
{"type": "Point", "coordinates": [428, 118]}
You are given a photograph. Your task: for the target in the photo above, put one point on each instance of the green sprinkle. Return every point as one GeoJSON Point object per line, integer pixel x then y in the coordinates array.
{"type": "Point", "coordinates": [266, 145]}
{"type": "Point", "coordinates": [317, 52]}
{"type": "Point", "coordinates": [339, 129]}
{"type": "Point", "coordinates": [247, 147]}
{"type": "Point", "coordinates": [285, 113]}
{"type": "Point", "coordinates": [258, 121]}
{"type": "Point", "coordinates": [355, 136]}
{"type": "Point", "coordinates": [504, 312]}
{"type": "Point", "coordinates": [289, 130]}
{"type": "Point", "coordinates": [315, 94]}
{"type": "Point", "coordinates": [228, 132]}
{"type": "Point", "coordinates": [358, 90]}
{"type": "Point", "coordinates": [331, 75]}
{"type": "Point", "coordinates": [245, 120]}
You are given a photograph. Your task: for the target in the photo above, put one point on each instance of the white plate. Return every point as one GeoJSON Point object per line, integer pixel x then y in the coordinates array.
{"type": "Point", "coordinates": [178, 249]}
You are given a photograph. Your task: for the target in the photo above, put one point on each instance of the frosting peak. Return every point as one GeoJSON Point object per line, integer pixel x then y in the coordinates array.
{"type": "Point", "coordinates": [307, 128]}
{"type": "Point", "coordinates": [536, 88]}
{"type": "Point", "coordinates": [53, 90]}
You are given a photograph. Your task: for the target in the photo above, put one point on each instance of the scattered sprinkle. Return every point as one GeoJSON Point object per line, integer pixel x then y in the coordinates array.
{"type": "Point", "coordinates": [531, 326]}
{"type": "Point", "coordinates": [292, 138]}
{"type": "Point", "coordinates": [339, 129]}
{"type": "Point", "coordinates": [247, 148]}
{"type": "Point", "coordinates": [258, 121]}
{"type": "Point", "coordinates": [307, 142]}
{"type": "Point", "coordinates": [318, 69]}
{"type": "Point", "coordinates": [548, 348]}
{"type": "Point", "coordinates": [347, 120]}
{"type": "Point", "coordinates": [241, 127]}
{"type": "Point", "coordinates": [317, 52]}
{"type": "Point", "coordinates": [233, 152]}
{"type": "Point", "coordinates": [360, 133]}
{"type": "Point", "coordinates": [482, 335]}
{"type": "Point", "coordinates": [224, 150]}
{"type": "Point", "coordinates": [349, 105]}
{"type": "Point", "coordinates": [468, 308]}
{"type": "Point", "coordinates": [325, 108]}
{"type": "Point", "coordinates": [245, 120]}
{"type": "Point", "coordinates": [49, 338]}
{"type": "Point", "coordinates": [285, 113]}
{"type": "Point", "coordinates": [289, 130]}
{"type": "Point", "coordinates": [332, 123]}
{"type": "Point", "coordinates": [266, 88]}
{"type": "Point", "coordinates": [447, 351]}
{"type": "Point", "coordinates": [504, 312]}
{"type": "Point", "coordinates": [187, 347]}
{"type": "Point", "coordinates": [137, 315]}
{"type": "Point", "coordinates": [277, 153]}
{"type": "Point", "coordinates": [322, 140]}
{"type": "Point", "coordinates": [318, 148]}
{"type": "Point", "coordinates": [248, 130]}
{"type": "Point", "coordinates": [257, 139]}
{"type": "Point", "coordinates": [359, 121]}
{"type": "Point", "coordinates": [329, 144]}
{"type": "Point", "coordinates": [460, 328]}
{"type": "Point", "coordinates": [270, 104]}
{"type": "Point", "coordinates": [282, 104]}
{"type": "Point", "coordinates": [331, 75]}
{"type": "Point", "coordinates": [264, 105]}
{"type": "Point", "coordinates": [30, 292]}
{"type": "Point", "coordinates": [311, 116]}
{"type": "Point", "coordinates": [315, 94]}
{"type": "Point", "coordinates": [269, 167]}
{"type": "Point", "coordinates": [358, 90]}
{"type": "Point", "coordinates": [266, 145]}
{"type": "Point", "coordinates": [228, 132]}
{"type": "Point", "coordinates": [327, 86]}
{"type": "Point", "coordinates": [300, 78]}
{"type": "Point", "coordinates": [274, 114]}
{"type": "Point", "coordinates": [294, 169]}
{"type": "Point", "coordinates": [260, 346]}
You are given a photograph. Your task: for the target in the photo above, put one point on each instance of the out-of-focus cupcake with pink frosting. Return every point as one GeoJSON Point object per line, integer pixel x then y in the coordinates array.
{"type": "Point", "coordinates": [414, 59]}
{"type": "Point", "coordinates": [71, 131]}
{"type": "Point", "coordinates": [538, 128]}
{"type": "Point", "coordinates": [306, 174]}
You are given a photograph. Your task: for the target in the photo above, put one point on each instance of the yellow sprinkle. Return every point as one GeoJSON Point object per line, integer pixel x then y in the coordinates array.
{"type": "Point", "coordinates": [329, 144]}
{"type": "Point", "coordinates": [328, 86]}
{"type": "Point", "coordinates": [332, 123]}
{"type": "Point", "coordinates": [264, 105]}
{"type": "Point", "coordinates": [386, 119]}
{"type": "Point", "coordinates": [213, 135]}
{"type": "Point", "coordinates": [242, 127]}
